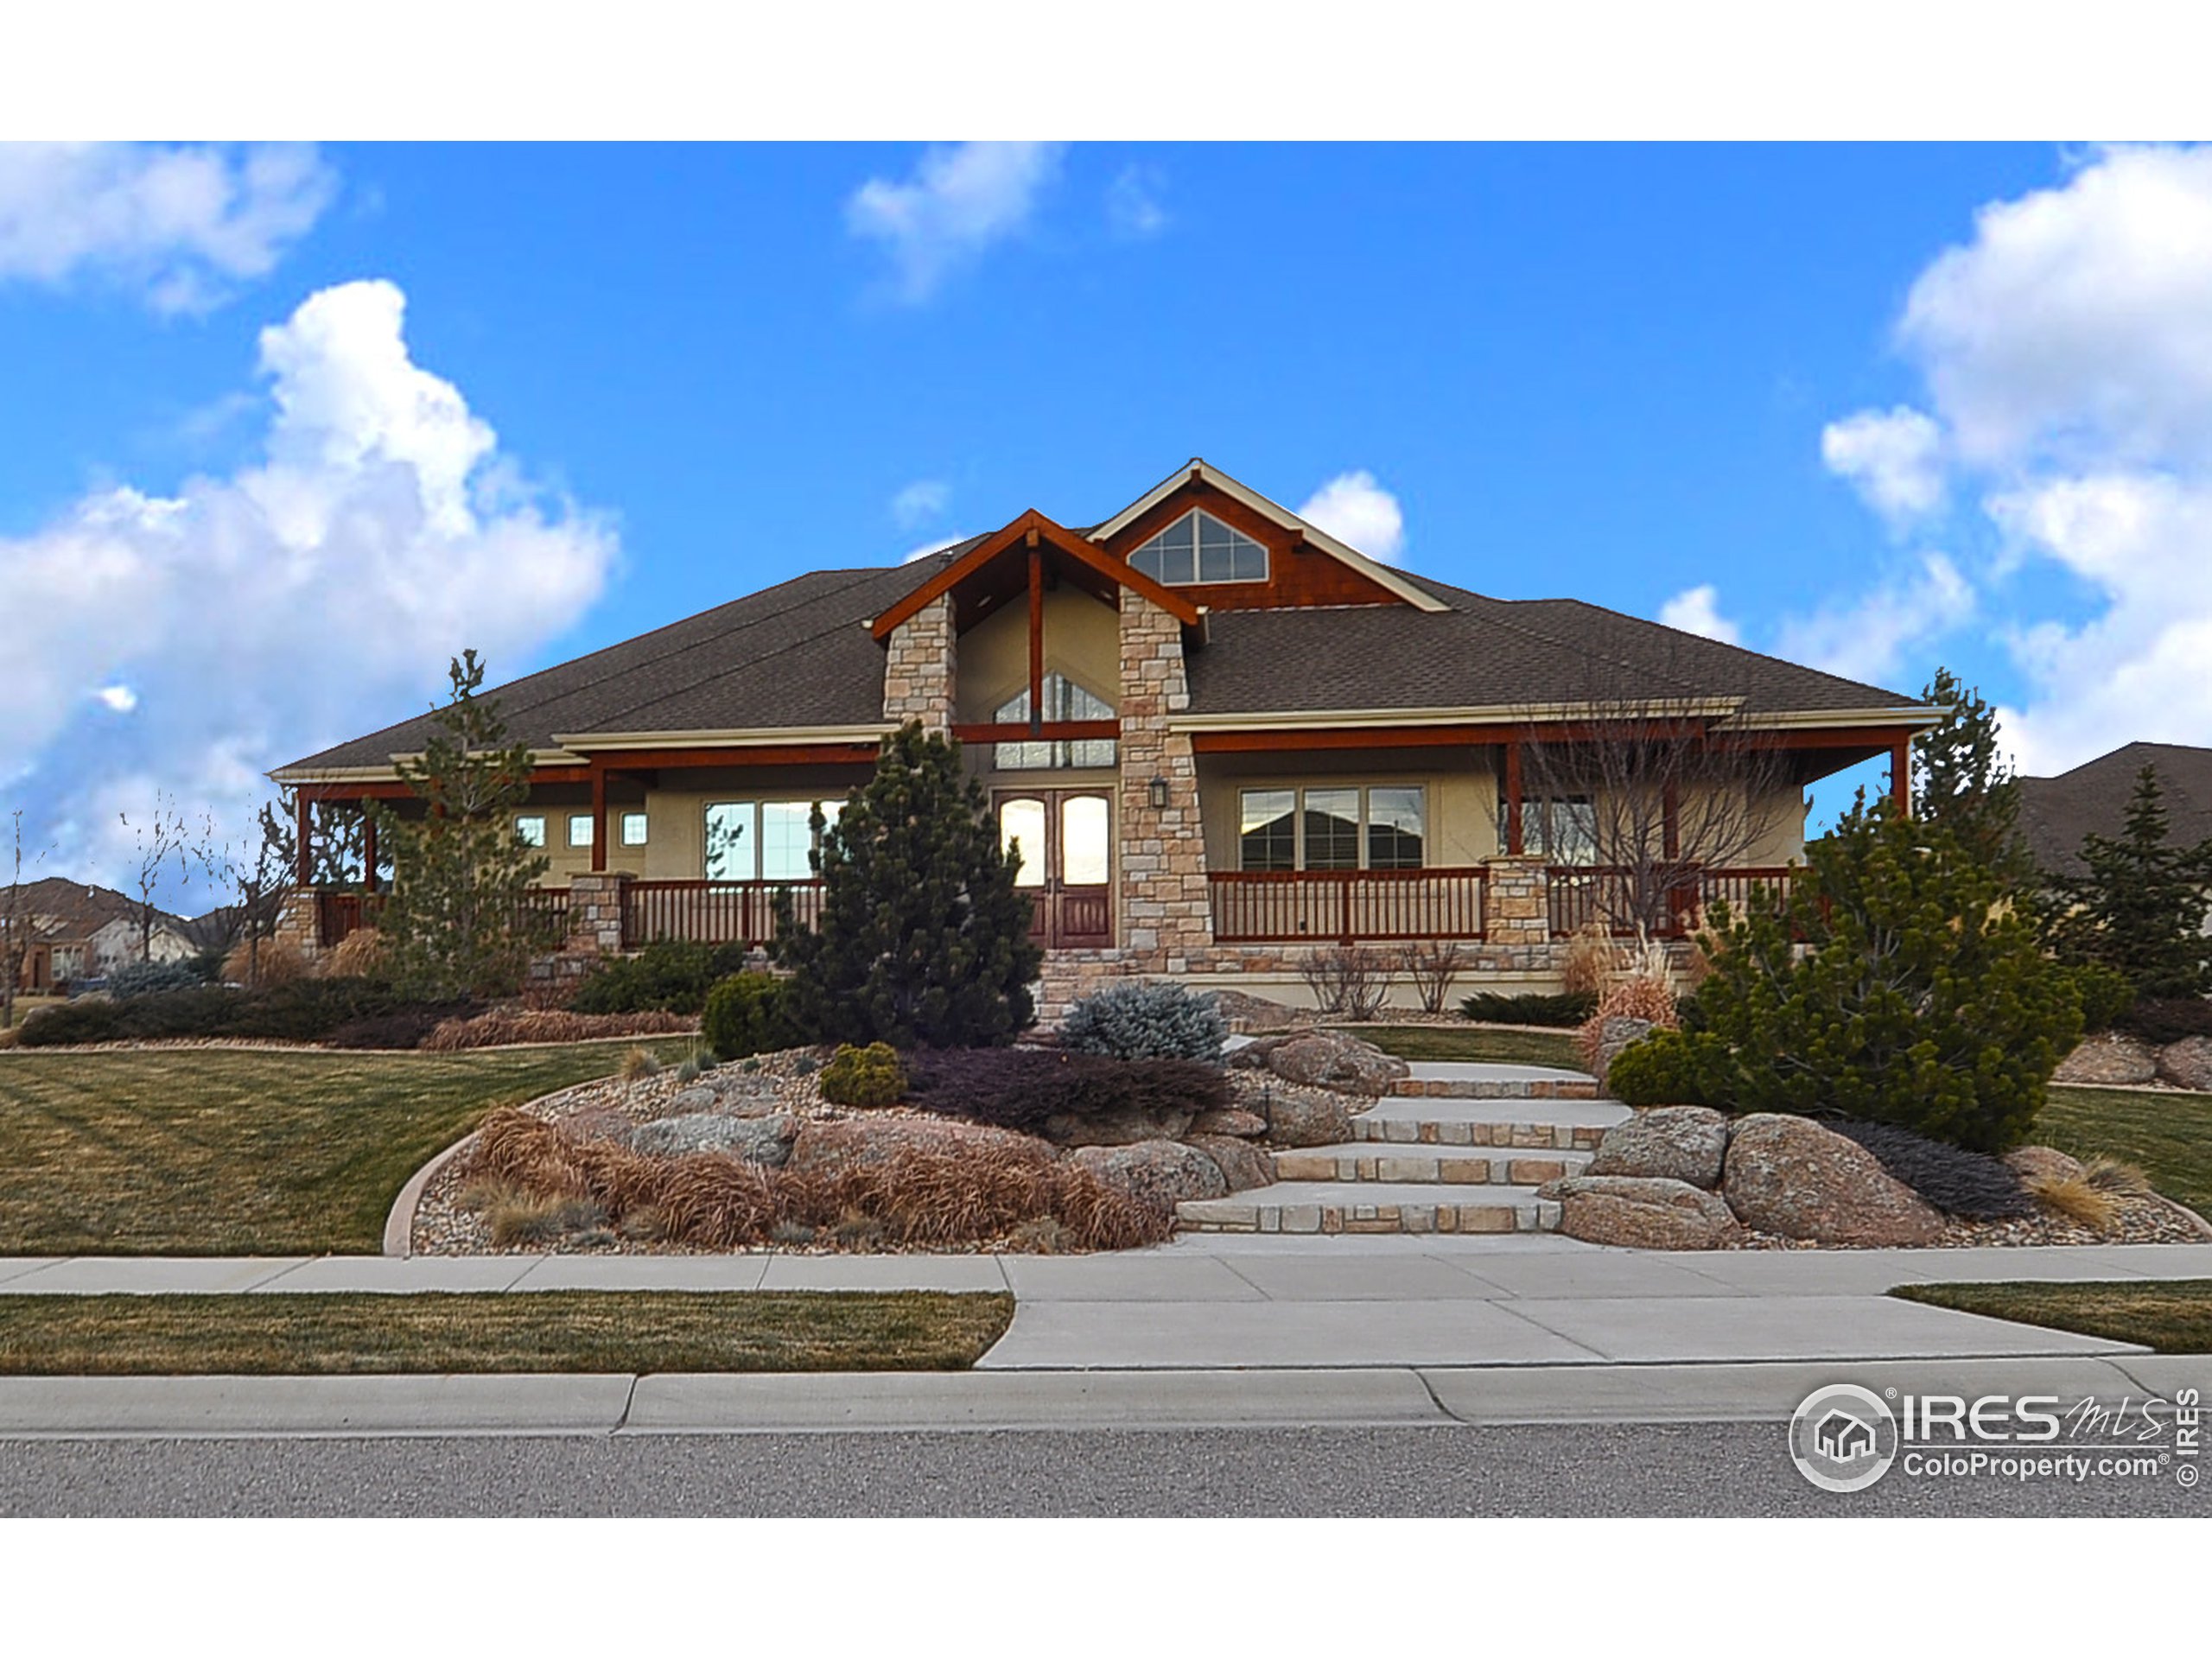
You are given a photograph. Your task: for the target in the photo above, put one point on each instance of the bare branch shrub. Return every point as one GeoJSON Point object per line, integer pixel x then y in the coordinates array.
{"type": "Point", "coordinates": [1432, 965]}
{"type": "Point", "coordinates": [1350, 980]}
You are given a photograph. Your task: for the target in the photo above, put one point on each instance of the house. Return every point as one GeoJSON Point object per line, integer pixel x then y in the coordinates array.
{"type": "Point", "coordinates": [79, 931]}
{"type": "Point", "coordinates": [2057, 813]}
{"type": "Point", "coordinates": [1223, 738]}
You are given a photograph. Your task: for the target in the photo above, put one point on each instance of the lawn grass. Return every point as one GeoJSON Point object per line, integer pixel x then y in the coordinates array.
{"type": "Point", "coordinates": [1500, 1044]}
{"type": "Point", "coordinates": [436, 1334]}
{"type": "Point", "coordinates": [2173, 1317]}
{"type": "Point", "coordinates": [2166, 1133]}
{"type": "Point", "coordinates": [230, 1152]}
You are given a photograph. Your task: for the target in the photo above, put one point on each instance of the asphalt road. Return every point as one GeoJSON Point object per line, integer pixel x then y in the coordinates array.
{"type": "Point", "coordinates": [1675, 1469]}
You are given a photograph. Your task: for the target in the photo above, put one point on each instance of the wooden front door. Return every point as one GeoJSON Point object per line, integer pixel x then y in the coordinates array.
{"type": "Point", "coordinates": [1066, 837]}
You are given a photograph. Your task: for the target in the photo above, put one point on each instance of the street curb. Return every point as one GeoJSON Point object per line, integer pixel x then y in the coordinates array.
{"type": "Point", "coordinates": [602, 1405]}
{"type": "Point", "coordinates": [399, 1225]}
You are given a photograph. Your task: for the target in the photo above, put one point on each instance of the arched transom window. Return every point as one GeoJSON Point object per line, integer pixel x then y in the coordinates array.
{"type": "Point", "coordinates": [1063, 700]}
{"type": "Point", "coordinates": [1199, 547]}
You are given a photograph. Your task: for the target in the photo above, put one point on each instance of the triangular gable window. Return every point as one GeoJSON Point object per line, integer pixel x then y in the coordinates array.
{"type": "Point", "coordinates": [1063, 700]}
{"type": "Point", "coordinates": [1199, 547]}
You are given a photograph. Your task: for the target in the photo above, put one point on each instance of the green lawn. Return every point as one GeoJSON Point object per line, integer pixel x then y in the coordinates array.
{"type": "Point", "coordinates": [1500, 1043]}
{"type": "Point", "coordinates": [224, 1151]}
{"type": "Point", "coordinates": [439, 1333]}
{"type": "Point", "coordinates": [2173, 1317]}
{"type": "Point", "coordinates": [2168, 1133]}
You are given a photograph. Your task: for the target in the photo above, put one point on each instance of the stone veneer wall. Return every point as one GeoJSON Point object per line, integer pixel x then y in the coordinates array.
{"type": "Point", "coordinates": [299, 923]}
{"type": "Point", "coordinates": [1164, 923]}
{"type": "Point", "coordinates": [919, 666]}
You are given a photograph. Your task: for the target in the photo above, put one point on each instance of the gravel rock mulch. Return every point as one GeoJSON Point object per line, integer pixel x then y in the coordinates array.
{"type": "Point", "coordinates": [2140, 1220]}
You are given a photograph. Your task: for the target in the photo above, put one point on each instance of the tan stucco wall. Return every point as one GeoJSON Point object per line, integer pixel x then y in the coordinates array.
{"type": "Point", "coordinates": [1082, 641]}
{"type": "Point", "coordinates": [1461, 794]}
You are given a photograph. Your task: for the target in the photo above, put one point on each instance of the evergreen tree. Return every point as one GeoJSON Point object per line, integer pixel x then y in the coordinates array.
{"type": "Point", "coordinates": [1960, 780]}
{"type": "Point", "coordinates": [1924, 1000]}
{"type": "Point", "coordinates": [454, 925]}
{"type": "Point", "coordinates": [924, 938]}
{"type": "Point", "coordinates": [2141, 909]}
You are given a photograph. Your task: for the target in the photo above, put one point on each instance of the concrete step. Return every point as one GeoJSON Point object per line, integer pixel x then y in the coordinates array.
{"type": "Point", "coordinates": [1474, 1080]}
{"type": "Point", "coordinates": [1381, 1207]}
{"type": "Point", "coordinates": [1428, 1164]}
{"type": "Point", "coordinates": [1564, 1125]}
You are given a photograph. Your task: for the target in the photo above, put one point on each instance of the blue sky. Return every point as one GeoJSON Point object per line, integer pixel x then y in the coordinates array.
{"type": "Point", "coordinates": [281, 428]}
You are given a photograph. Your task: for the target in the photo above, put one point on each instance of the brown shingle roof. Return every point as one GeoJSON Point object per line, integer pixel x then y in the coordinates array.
{"type": "Point", "coordinates": [76, 909]}
{"type": "Point", "coordinates": [2056, 813]}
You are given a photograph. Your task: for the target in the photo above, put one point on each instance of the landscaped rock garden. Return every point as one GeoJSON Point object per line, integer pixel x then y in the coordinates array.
{"type": "Point", "coordinates": [1686, 1178]}
{"type": "Point", "coordinates": [2121, 1059]}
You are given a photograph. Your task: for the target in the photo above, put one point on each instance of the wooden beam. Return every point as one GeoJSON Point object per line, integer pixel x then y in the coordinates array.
{"type": "Point", "coordinates": [1419, 737]}
{"type": "Point", "coordinates": [769, 754]}
{"type": "Point", "coordinates": [1900, 775]}
{"type": "Point", "coordinates": [368, 852]}
{"type": "Point", "coordinates": [598, 817]}
{"type": "Point", "coordinates": [1036, 636]}
{"type": "Point", "coordinates": [1052, 731]}
{"type": "Point", "coordinates": [303, 849]}
{"type": "Point", "coordinates": [1048, 534]}
{"type": "Point", "coordinates": [1513, 797]}
{"type": "Point", "coordinates": [1670, 819]}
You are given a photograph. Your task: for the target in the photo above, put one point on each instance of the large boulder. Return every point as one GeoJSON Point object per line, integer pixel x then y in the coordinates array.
{"type": "Point", "coordinates": [1616, 1033]}
{"type": "Point", "coordinates": [1645, 1213]}
{"type": "Point", "coordinates": [1228, 1120]}
{"type": "Point", "coordinates": [1788, 1175]}
{"type": "Point", "coordinates": [746, 1094]}
{"type": "Point", "coordinates": [1243, 1012]}
{"type": "Point", "coordinates": [2042, 1163]}
{"type": "Point", "coordinates": [1241, 1164]}
{"type": "Point", "coordinates": [1123, 1127]}
{"type": "Point", "coordinates": [2188, 1064]}
{"type": "Point", "coordinates": [1159, 1174]}
{"type": "Point", "coordinates": [1673, 1143]}
{"type": "Point", "coordinates": [826, 1147]}
{"type": "Point", "coordinates": [1304, 1118]}
{"type": "Point", "coordinates": [1331, 1060]}
{"type": "Point", "coordinates": [756, 1140]}
{"type": "Point", "coordinates": [2109, 1056]}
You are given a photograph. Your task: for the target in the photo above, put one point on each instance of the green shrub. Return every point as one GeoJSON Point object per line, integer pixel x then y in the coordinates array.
{"type": "Point", "coordinates": [86, 1020]}
{"type": "Point", "coordinates": [2107, 995]}
{"type": "Point", "coordinates": [1920, 997]}
{"type": "Point", "coordinates": [150, 978]}
{"type": "Point", "coordinates": [745, 1016]}
{"type": "Point", "coordinates": [1021, 1088]}
{"type": "Point", "coordinates": [863, 1076]}
{"type": "Point", "coordinates": [1530, 1007]}
{"type": "Point", "coordinates": [667, 977]}
{"type": "Point", "coordinates": [366, 1014]}
{"type": "Point", "coordinates": [1140, 1020]}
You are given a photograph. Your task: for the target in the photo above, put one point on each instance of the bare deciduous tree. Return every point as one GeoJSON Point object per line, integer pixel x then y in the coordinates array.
{"type": "Point", "coordinates": [165, 835]}
{"type": "Point", "coordinates": [1653, 783]}
{"type": "Point", "coordinates": [15, 920]}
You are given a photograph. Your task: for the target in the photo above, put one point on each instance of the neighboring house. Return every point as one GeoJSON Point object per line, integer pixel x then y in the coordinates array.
{"type": "Point", "coordinates": [1221, 736]}
{"type": "Point", "coordinates": [79, 931]}
{"type": "Point", "coordinates": [2057, 813]}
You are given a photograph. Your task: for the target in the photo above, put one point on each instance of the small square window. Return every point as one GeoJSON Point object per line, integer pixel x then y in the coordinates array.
{"type": "Point", "coordinates": [530, 829]}
{"type": "Point", "coordinates": [634, 828]}
{"type": "Point", "coordinates": [581, 829]}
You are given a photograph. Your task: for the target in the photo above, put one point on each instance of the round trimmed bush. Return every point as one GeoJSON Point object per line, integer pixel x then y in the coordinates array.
{"type": "Point", "coordinates": [745, 1015]}
{"type": "Point", "coordinates": [863, 1076]}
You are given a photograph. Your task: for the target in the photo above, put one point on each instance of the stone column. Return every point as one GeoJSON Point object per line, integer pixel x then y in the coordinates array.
{"type": "Point", "coordinates": [1516, 916]}
{"type": "Point", "coordinates": [1165, 921]}
{"type": "Point", "coordinates": [299, 923]}
{"type": "Point", "coordinates": [919, 668]}
{"type": "Point", "coordinates": [594, 927]}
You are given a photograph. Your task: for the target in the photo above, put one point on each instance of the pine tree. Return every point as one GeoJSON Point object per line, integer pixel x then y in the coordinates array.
{"type": "Point", "coordinates": [923, 938]}
{"type": "Point", "coordinates": [1960, 780]}
{"type": "Point", "coordinates": [1924, 999]}
{"type": "Point", "coordinates": [455, 924]}
{"type": "Point", "coordinates": [2141, 908]}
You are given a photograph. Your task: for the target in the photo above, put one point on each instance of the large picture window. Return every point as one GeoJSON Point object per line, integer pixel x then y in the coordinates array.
{"type": "Point", "coordinates": [1561, 827]}
{"type": "Point", "coordinates": [763, 841]}
{"type": "Point", "coordinates": [1336, 826]}
{"type": "Point", "coordinates": [1199, 547]}
{"type": "Point", "coordinates": [1063, 700]}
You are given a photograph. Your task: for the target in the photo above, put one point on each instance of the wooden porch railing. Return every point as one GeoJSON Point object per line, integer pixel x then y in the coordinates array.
{"type": "Point", "coordinates": [711, 913]}
{"type": "Point", "coordinates": [543, 910]}
{"type": "Point", "coordinates": [1290, 907]}
{"type": "Point", "coordinates": [1583, 893]}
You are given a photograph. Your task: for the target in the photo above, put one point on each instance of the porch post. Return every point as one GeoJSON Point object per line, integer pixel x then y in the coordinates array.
{"type": "Point", "coordinates": [1670, 820]}
{"type": "Point", "coordinates": [1036, 636]}
{"type": "Point", "coordinates": [1900, 775]}
{"type": "Point", "coordinates": [1513, 797]}
{"type": "Point", "coordinates": [303, 852]}
{"type": "Point", "coordinates": [598, 816]}
{"type": "Point", "coordinates": [368, 849]}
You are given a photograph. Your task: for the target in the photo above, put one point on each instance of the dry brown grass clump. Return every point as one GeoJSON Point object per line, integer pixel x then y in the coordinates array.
{"type": "Point", "coordinates": [1640, 997]}
{"type": "Point", "coordinates": [359, 954]}
{"type": "Point", "coordinates": [2077, 1199]}
{"type": "Point", "coordinates": [2116, 1176]}
{"type": "Point", "coordinates": [1589, 958]}
{"type": "Point", "coordinates": [638, 1064]}
{"type": "Point", "coordinates": [924, 1198]}
{"type": "Point", "coordinates": [505, 1026]}
{"type": "Point", "coordinates": [278, 962]}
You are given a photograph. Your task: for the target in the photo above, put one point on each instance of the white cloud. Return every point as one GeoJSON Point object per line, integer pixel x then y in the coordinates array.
{"type": "Point", "coordinates": [308, 597]}
{"type": "Point", "coordinates": [1892, 457]}
{"type": "Point", "coordinates": [961, 200]}
{"type": "Point", "coordinates": [1697, 610]}
{"type": "Point", "coordinates": [920, 501]}
{"type": "Point", "coordinates": [118, 697]}
{"type": "Point", "coordinates": [1867, 638]}
{"type": "Point", "coordinates": [936, 545]}
{"type": "Point", "coordinates": [182, 223]}
{"type": "Point", "coordinates": [1133, 206]}
{"type": "Point", "coordinates": [1359, 513]}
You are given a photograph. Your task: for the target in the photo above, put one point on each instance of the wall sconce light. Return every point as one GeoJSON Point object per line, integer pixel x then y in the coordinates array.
{"type": "Point", "coordinates": [1159, 787]}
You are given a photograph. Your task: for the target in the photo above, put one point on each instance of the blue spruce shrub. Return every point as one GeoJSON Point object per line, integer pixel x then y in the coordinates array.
{"type": "Point", "coordinates": [150, 978]}
{"type": "Point", "coordinates": [1140, 1020]}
